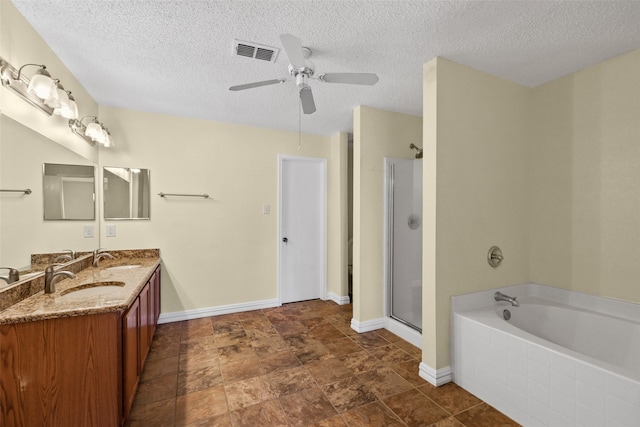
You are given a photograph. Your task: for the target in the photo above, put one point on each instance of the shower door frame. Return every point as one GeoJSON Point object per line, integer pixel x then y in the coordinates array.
{"type": "Point", "coordinates": [388, 246]}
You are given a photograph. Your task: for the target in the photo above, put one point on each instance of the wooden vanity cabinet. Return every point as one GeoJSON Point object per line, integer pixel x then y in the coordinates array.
{"type": "Point", "coordinates": [62, 372]}
{"type": "Point", "coordinates": [77, 371]}
{"type": "Point", "coordinates": [139, 324]}
{"type": "Point", "coordinates": [130, 351]}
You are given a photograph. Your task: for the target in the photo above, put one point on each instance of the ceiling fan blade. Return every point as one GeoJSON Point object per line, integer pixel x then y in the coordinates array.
{"type": "Point", "coordinates": [306, 99]}
{"type": "Point", "coordinates": [293, 47]}
{"type": "Point", "coordinates": [349, 78]}
{"type": "Point", "coordinates": [257, 84]}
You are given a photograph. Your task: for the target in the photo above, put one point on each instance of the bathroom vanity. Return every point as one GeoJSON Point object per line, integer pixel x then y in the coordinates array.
{"type": "Point", "coordinates": [74, 357]}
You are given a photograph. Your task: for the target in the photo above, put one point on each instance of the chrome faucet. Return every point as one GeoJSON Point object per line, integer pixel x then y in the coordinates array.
{"type": "Point", "coordinates": [499, 296]}
{"type": "Point", "coordinates": [13, 276]}
{"type": "Point", "coordinates": [63, 257]}
{"type": "Point", "coordinates": [50, 277]}
{"type": "Point", "coordinates": [97, 255]}
{"type": "Point", "coordinates": [71, 253]}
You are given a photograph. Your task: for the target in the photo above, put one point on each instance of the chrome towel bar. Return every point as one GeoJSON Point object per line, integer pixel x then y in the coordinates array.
{"type": "Point", "coordinates": [27, 191]}
{"type": "Point", "coordinates": [204, 196]}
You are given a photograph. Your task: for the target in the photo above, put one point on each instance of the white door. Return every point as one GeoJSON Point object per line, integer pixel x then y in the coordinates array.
{"type": "Point", "coordinates": [302, 231]}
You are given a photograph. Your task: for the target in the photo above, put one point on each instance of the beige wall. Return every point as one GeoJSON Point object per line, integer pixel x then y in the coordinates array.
{"type": "Point", "coordinates": [376, 134]}
{"type": "Point", "coordinates": [337, 256]}
{"type": "Point", "coordinates": [480, 138]}
{"type": "Point", "coordinates": [586, 181]}
{"type": "Point", "coordinates": [223, 250]}
{"type": "Point", "coordinates": [549, 174]}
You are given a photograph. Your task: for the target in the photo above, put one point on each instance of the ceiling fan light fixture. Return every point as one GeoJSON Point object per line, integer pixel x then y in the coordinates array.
{"type": "Point", "coordinates": [300, 81]}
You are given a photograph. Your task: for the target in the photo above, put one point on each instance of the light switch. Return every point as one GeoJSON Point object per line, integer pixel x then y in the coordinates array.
{"type": "Point", "coordinates": [266, 209]}
{"type": "Point", "coordinates": [111, 231]}
{"type": "Point", "coordinates": [88, 231]}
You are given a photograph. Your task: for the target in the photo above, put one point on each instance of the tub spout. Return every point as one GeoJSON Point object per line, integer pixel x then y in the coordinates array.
{"type": "Point", "coordinates": [499, 296]}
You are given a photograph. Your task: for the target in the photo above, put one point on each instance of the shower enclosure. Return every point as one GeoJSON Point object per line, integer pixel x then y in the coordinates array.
{"type": "Point", "coordinates": [404, 241]}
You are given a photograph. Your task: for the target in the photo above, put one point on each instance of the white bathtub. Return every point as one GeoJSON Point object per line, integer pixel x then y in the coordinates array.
{"type": "Point", "coordinates": [563, 359]}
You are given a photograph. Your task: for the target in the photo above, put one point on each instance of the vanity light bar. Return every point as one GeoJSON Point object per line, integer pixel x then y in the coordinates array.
{"type": "Point", "coordinates": [53, 100]}
{"type": "Point", "coordinates": [92, 132]}
{"type": "Point", "coordinates": [79, 129]}
{"type": "Point", "coordinates": [9, 77]}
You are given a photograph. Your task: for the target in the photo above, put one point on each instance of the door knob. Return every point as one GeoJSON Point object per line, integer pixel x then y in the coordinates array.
{"type": "Point", "coordinates": [285, 240]}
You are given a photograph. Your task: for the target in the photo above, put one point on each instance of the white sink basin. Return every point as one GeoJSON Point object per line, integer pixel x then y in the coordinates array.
{"type": "Point", "coordinates": [92, 289]}
{"type": "Point", "coordinates": [123, 267]}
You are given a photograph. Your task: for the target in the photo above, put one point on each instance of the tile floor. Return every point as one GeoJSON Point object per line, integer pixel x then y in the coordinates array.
{"type": "Point", "coordinates": [296, 365]}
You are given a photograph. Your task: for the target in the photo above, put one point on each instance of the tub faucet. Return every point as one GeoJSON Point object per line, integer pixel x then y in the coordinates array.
{"type": "Point", "coordinates": [97, 255]}
{"type": "Point", "coordinates": [499, 296]}
{"type": "Point", "coordinates": [13, 276]}
{"type": "Point", "coordinates": [50, 277]}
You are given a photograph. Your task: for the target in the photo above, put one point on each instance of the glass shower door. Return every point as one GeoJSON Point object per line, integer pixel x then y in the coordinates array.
{"type": "Point", "coordinates": [405, 241]}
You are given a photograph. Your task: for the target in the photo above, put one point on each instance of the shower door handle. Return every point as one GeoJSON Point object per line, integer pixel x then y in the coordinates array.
{"type": "Point", "coordinates": [285, 240]}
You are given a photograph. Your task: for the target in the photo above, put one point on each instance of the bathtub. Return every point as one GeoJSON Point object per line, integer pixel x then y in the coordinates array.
{"type": "Point", "coordinates": [562, 359]}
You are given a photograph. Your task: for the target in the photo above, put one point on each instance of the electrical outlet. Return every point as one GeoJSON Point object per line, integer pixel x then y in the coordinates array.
{"type": "Point", "coordinates": [111, 231]}
{"type": "Point", "coordinates": [88, 231]}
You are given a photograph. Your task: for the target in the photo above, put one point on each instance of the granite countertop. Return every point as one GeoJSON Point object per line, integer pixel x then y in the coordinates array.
{"type": "Point", "coordinates": [50, 306]}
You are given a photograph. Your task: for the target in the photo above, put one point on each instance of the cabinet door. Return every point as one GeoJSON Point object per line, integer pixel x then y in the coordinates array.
{"type": "Point", "coordinates": [156, 284]}
{"type": "Point", "coordinates": [130, 359]}
{"type": "Point", "coordinates": [152, 307]}
{"type": "Point", "coordinates": [144, 324]}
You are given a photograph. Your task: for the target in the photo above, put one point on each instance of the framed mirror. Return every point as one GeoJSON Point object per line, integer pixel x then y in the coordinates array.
{"type": "Point", "coordinates": [126, 192]}
{"type": "Point", "coordinates": [69, 192]}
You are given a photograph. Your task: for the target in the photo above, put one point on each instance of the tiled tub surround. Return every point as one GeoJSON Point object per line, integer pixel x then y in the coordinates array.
{"type": "Point", "coordinates": [26, 301]}
{"type": "Point", "coordinates": [541, 383]}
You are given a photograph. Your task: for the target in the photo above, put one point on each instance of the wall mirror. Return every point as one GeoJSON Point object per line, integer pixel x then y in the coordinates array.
{"type": "Point", "coordinates": [69, 192]}
{"type": "Point", "coordinates": [23, 230]}
{"type": "Point", "coordinates": [126, 193]}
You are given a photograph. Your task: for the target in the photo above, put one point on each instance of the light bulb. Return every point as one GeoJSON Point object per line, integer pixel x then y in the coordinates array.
{"type": "Point", "coordinates": [68, 111]}
{"type": "Point", "coordinates": [42, 85]}
{"type": "Point", "coordinates": [60, 100]}
{"type": "Point", "coordinates": [108, 143]}
{"type": "Point", "coordinates": [94, 131]}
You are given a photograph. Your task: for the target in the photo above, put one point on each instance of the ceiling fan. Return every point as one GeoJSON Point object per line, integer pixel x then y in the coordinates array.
{"type": "Point", "coordinates": [301, 69]}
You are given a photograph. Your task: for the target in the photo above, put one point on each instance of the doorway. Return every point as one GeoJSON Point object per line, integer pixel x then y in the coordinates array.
{"type": "Point", "coordinates": [302, 231]}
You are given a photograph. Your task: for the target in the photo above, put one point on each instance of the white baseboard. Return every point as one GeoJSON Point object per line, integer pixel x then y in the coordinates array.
{"type": "Point", "coordinates": [178, 316]}
{"type": "Point", "coordinates": [435, 377]}
{"type": "Point", "coordinates": [340, 300]}
{"type": "Point", "coordinates": [367, 325]}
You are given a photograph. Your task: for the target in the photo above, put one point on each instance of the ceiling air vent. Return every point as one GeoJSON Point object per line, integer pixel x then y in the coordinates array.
{"type": "Point", "coordinates": [255, 50]}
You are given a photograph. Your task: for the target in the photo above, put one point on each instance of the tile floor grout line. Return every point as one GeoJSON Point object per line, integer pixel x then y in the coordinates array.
{"type": "Point", "coordinates": [314, 313]}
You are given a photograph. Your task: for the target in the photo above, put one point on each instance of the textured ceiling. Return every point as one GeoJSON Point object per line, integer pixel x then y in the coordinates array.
{"type": "Point", "coordinates": [175, 57]}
